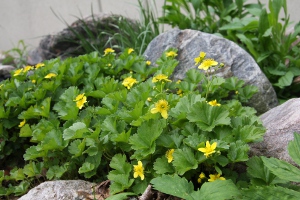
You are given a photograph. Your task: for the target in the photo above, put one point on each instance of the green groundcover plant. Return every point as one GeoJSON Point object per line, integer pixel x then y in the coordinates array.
{"type": "Point", "coordinates": [270, 39]}
{"type": "Point", "coordinates": [120, 117]}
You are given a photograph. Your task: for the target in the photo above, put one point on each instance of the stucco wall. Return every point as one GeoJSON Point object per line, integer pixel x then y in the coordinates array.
{"type": "Point", "coordinates": [31, 19]}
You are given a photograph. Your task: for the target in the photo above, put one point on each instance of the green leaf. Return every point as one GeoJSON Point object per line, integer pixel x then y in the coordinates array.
{"type": "Point", "coordinates": [121, 196]}
{"type": "Point", "coordinates": [194, 76]}
{"type": "Point", "coordinates": [75, 131]}
{"type": "Point", "coordinates": [25, 131]}
{"type": "Point", "coordinates": [294, 148]}
{"type": "Point", "coordinates": [86, 167]}
{"type": "Point", "coordinates": [139, 93]}
{"type": "Point", "coordinates": [259, 172]}
{"type": "Point", "coordinates": [184, 160]}
{"type": "Point", "coordinates": [32, 153]}
{"type": "Point", "coordinates": [246, 92]}
{"type": "Point", "coordinates": [285, 80]}
{"type": "Point", "coordinates": [161, 166]}
{"type": "Point", "coordinates": [122, 137]}
{"type": "Point", "coordinates": [184, 105]}
{"type": "Point", "coordinates": [77, 147]}
{"type": "Point", "coordinates": [120, 175]}
{"type": "Point", "coordinates": [248, 133]}
{"type": "Point", "coordinates": [282, 169]}
{"type": "Point", "coordinates": [120, 182]}
{"type": "Point", "coordinates": [194, 140]}
{"type": "Point", "coordinates": [233, 83]}
{"type": "Point", "coordinates": [270, 193]}
{"type": "Point", "coordinates": [95, 161]}
{"type": "Point", "coordinates": [110, 124]}
{"type": "Point", "coordinates": [22, 188]}
{"type": "Point", "coordinates": [249, 44]}
{"type": "Point", "coordinates": [173, 185]}
{"type": "Point", "coordinates": [238, 151]}
{"type": "Point", "coordinates": [36, 111]}
{"type": "Point", "coordinates": [66, 107]}
{"type": "Point", "coordinates": [220, 189]}
{"type": "Point", "coordinates": [17, 174]}
{"type": "Point", "coordinates": [119, 164]}
{"type": "Point", "coordinates": [135, 113]}
{"type": "Point", "coordinates": [222, 160]}
{"type": "Point", "coordinates": [55, 171]}
{"type": "Point", "coordinates": [232, 26]}
{"type": "Point", "coordinates": [142, 141]}
{"type": "Point", "coordinates": [208, 117]}
{"type": "Point", "coordinates": [52, 141]}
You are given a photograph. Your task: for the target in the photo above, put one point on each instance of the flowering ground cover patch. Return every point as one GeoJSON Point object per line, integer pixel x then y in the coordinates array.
{"type": "Point", "coordinates": [116, 117]}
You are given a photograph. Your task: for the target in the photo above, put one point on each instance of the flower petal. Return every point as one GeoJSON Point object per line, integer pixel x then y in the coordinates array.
{"type": "Point", "coordinates": [154, 110]}
{"type": "Point", "coordinates": [164, 114]}
{"type": "Point", "coordinates": [214, 145]}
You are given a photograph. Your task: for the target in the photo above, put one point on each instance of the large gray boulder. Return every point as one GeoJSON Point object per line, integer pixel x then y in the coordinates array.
{"type": "Point", "coordinates": [237, 61]}
{"type": "Point", "coordinates": [281, 124]}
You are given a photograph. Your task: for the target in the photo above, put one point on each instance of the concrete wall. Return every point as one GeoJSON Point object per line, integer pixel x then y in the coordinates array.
{"type": "Point", "coordinates": [30, 20]}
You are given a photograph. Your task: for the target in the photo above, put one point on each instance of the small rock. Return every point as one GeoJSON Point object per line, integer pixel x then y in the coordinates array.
{"type": "Point", "coordinates": [59, 190]}
{"type": "Point", "coordinates": [5, 71]}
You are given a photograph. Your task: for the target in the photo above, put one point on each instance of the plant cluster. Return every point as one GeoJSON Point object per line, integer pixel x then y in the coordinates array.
{"type": "Point", "coordinates": [116, 117]}
{"type": "Point", "coordinates": [115, 31]}
{"type": "Point", "coordinates": [97, 117]}
{"type": "Point", "coordinates": [16, 56]}
{"type": "Point", "coordinates": [266, 36]}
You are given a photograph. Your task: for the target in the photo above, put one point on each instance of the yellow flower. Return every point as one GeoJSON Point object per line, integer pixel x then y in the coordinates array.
{"type": "Point", "coordinates": [201, 176]}
{"type": "Point", "coordinates": [50, 75]}
{"type": "Point", "coordinates": [81, 102]}
{"type": "Point", "coordinates": [108, 65]}
{"type": "Point", "coordinates": [209, 149]}
{"type": "Point", "coordinates": [207, 63]}
{"type": "Point", "coordinates": [169, 155]}
{"type": "Point", "coordinates": [214, 177]}
{"type": "Point", "coordinates": [108, 50]}
{"type": "Point", "coordinates": [79, 97]}
{"type": "Point", "coordinates": [22, 123]}
{"type": "Point", "coordinates": [162, 107]}
{"type": "Point", "coordinates": [148, 62]}
{"type": "Point", "coordinates": [130, 50]}
{"type": "Point", "coordinates": [160, 77]}
{"type": "Point", "coordinates": [138, 170]}
{"type": "Point", "coordinates": [39, 65]}
{"type": "Point", "coordinates": [33, 81]}
{"type": "Point", "coordinates": [171, 54]}
{"type": "Point", "coordinates": [200, 58]}
{"type": "Point", "coordinates": [149, 99]}
{"type": "Point", "coordinates": [179, 92]}
{"type": "Point", "coordinates": [214, 103]}
{"type": "Point", "coordinates": [27, 68]}
{"type": "Point", "coordinates": [179, 81]}
{"type": "Point", "coordinates": [128, 82]}
{"type": "Point", "coordinates": [18, 72]}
